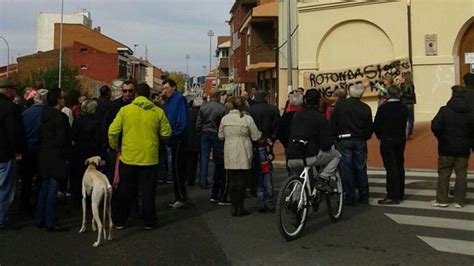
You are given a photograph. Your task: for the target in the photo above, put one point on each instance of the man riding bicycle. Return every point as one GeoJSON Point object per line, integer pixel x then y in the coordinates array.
{"type": "Point", "coordinates": [310, 139]}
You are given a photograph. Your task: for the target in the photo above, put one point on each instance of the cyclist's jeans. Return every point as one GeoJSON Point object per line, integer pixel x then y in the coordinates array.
{"type": "Point", "coordinates": [329, 158]}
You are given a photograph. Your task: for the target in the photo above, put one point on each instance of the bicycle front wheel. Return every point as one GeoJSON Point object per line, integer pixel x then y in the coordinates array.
{"type": "Point", "coordinates": [291, 215]}
{"type": "Point", "coordinates": [334, 198]}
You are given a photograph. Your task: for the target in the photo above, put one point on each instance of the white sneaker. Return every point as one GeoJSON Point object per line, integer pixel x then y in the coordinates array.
{"type": "Point", "coordinates": [176, 205]}
{"type": "Point", "coordinates": [457, 205]}
{"type": "Point", "coordinates": [434, 203]}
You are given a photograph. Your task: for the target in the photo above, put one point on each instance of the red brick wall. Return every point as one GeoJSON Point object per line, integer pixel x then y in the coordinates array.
{"type": "Point", "coordinates": [100, 66]}
{"type": "Point", "coordinates": [239, 57]}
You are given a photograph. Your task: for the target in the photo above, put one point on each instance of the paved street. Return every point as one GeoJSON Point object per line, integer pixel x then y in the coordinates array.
{"type": "Point", "coordinates": [413, 233]}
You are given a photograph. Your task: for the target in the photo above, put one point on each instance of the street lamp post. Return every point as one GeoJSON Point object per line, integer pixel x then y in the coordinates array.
{"type": "Point", "coordinates": [135, 48]}
{"type": "Point", "coordinates": [187, 64]}
{"type": "Point", "coordinates": [210, 33]}
{"type": "Point", "coordinates": [8, 54]}
{"type": "Point", "coordinates": [61, 46]}
{"type": "Point", "coordinates": [204, 68]}
{"type": "Point", "coordinates": [187, 70]}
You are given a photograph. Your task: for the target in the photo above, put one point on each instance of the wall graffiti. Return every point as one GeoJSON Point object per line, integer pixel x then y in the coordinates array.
{"type": "Point", "coordinates": [328, 81]}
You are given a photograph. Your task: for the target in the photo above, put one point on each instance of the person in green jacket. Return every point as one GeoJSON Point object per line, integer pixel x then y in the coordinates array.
{"type": "Point", "coordinates": [142, 125]}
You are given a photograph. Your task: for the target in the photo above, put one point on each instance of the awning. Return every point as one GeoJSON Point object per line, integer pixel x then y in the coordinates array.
{"type": "Point", "coordinates": [261, 66]}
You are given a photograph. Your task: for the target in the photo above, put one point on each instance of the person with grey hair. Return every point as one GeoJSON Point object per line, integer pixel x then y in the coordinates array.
{"type": "Point", "coordinates": [12, 146]}
{"type": "Point", "coordinates": [351, 127]}
{"type": "Point", "coordinates": [295, 104]}
{"type": "Point", "coordinates": [86, 136]}
{"type": "Point", "coordinates": [28, 166]}
{"type": "Point", "coordinates": [339, 94]}
{"type": "Point", "coordinates": [389, 127]}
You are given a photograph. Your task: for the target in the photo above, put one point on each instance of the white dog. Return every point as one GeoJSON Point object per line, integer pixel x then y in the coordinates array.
{"type": "Point", "coordinates": [96, 185]}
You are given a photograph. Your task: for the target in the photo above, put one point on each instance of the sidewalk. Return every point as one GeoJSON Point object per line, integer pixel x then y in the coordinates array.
{"type": "Point", "coordinates": [421, 152]}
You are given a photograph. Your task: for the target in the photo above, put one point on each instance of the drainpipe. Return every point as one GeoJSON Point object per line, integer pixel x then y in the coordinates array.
{"type": "Point", "coordinates": [410, 50]}
{"type": "Point", "coordinates": [288, 46]}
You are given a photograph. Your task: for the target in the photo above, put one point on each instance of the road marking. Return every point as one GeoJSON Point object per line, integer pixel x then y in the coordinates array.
{"type": "Point", "coordinates": [407, 181]}
{"type": "Point", "coordinates": [450, 245]}
{"type": "Point", "coordinates": [425, 205]}
{"type": "Point", "coordinates": [456, 224]}
{"type": "Point", "coordinates": [414, 173]}
{"type": "Point", "coordinates": [416, 192]}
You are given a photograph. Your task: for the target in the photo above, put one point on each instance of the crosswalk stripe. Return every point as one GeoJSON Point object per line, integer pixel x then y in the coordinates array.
{"type": "Point", "coordinates": [407, 181]}
{"type": "Point", "coordinates": [417, 220]}
{"type": "Point", "coordinates": [416, 192]}
{"type": "Point", "coordinates": [450, 245]}
{"type": "Point", "coordinates": [414, 173]}
{"type": "Point", "coordinates": [425, 205]}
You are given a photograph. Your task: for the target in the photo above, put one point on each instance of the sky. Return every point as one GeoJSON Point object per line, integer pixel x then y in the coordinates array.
{"type": "Point", "coordinates": [169, 28]}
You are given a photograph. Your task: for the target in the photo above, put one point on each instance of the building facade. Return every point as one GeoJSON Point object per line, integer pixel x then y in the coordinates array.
{"type": "Point", "coordinates": [366, 41]}
{"type": "Point", "coordinates": [239, 77]}
{"type": "Point", "coordinates": [222, 54]}
{"type": "Point", "coordinates": [45, 27]}
{"type": "Point", "coordinates": [260, 27]}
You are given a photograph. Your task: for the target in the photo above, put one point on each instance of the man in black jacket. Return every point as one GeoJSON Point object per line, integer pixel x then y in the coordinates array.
{"type": "Point", "coordinates": [207, 126]}
{"type": "Point", "coordinates": [128, 95]}
{"type": "Point", "coordinates": [266, 118]}
{"type": "Point", "coordinates": [351, 126]}
{"type": "Point", "coordinates": [12, 146]}
{"type": "Point", "coordinates": [320, 149]}
{"type": "Point", "coordinates": [453, 126]}
{"type": "Point", "coordinates": [389, 126]}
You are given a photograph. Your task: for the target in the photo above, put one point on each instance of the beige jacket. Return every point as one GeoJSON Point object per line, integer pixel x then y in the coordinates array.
{"type": "Point", "coordinates": [238, 134]}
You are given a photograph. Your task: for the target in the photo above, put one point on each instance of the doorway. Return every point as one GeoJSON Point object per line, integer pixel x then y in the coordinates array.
{"type": "Point", "coordinates": [466, 46]}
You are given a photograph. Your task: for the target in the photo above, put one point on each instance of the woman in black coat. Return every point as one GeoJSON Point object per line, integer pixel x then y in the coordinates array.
{"type": "Point", "coordinates": [87, 142]}
{"type": "Point", "coordinates": [54, 153]}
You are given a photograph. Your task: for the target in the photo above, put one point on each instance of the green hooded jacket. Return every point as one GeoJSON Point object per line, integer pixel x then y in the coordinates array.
{"type": "Point", "coordinates": [141, 124]}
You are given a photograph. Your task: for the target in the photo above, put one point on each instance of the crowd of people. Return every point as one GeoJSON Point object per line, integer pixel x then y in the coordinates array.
{"type": "Point", "coordinates": [147, 138]}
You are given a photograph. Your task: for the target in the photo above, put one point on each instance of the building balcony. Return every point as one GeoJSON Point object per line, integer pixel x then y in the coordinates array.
{"type": "Point", "coordinates": [224, 63]}
{"type": "Point", "coordinates": [260, 58]}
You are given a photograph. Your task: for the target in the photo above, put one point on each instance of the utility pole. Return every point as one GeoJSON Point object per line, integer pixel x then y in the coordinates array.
{"type": "Point", "coordinates": [210, 33]}
{"type": "Point", "coordinates": [146, 52]}
{"type": "Point", "coordinates": [187, 70]}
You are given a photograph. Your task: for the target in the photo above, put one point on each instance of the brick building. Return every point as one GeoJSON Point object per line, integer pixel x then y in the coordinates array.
{"type": "Point", "coordinates": [222, 53]}
{"type": "Point", "coordinates": [238, 58]}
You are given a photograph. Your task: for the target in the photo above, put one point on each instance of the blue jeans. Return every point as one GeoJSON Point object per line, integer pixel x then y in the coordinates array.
{"type": "Point", "coordinates": [211, 140]}
{"type": "Point", "coordinates": [47, 203]}
{"type": "Point", "coordinates": [411, 118]}
{"type": "Point", "coordinates": [7, 187]}
{"type": "Point", "coordinates": [354, 169]}
{"type": "Point", "coordinates": [264, 182]}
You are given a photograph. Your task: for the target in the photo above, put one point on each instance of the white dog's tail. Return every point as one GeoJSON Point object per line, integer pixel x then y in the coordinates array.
{"type": "Point", "coordinates": [106, 200]}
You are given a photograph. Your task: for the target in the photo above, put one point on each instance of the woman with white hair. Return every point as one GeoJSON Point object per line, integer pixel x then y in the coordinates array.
{"type": "Point", "coordinates": [87, 142]}
{"type": "Point", "coordinates": [28, 166]}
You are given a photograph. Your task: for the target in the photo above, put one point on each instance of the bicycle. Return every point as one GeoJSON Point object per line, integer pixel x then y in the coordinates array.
{"type": "Point", "coordinates": [298, 193]}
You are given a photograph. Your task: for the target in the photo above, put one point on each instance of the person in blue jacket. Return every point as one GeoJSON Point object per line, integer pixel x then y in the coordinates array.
{"type": "Point", "coordinates": [176, 110]}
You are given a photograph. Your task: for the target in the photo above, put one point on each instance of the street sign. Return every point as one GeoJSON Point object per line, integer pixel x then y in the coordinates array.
{"type": "Point", "coordinates": [196, 86]}
{"type": "Point", "coordinates": [469, 58]}
{"type": "Point", "coordinates": [431, 44]}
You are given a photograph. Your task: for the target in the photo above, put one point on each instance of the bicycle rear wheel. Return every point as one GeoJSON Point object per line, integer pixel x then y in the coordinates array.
{"type": "Point", "coordinates": [291, 218]}
{"type": "Point", "coordinates": [334, 198]}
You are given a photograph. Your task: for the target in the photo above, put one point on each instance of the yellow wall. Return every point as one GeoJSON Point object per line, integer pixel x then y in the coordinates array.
{"type": "Point", "coordinates": [336, 35]}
